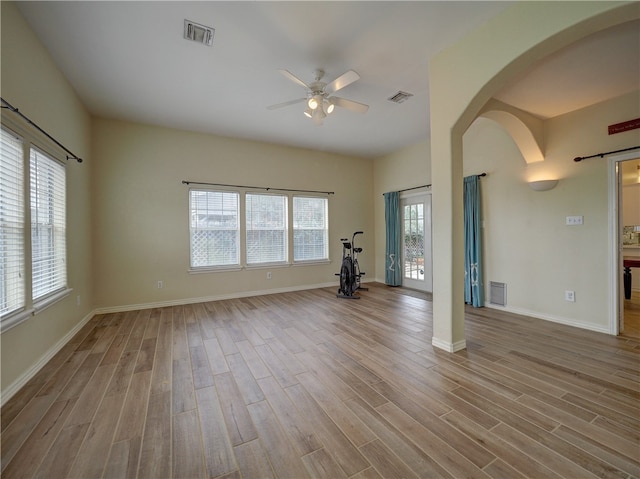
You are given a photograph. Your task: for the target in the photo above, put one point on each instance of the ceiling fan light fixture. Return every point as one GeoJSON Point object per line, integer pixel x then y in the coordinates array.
{"type": "Point", "coordinates": [315, 101]}
{"type": "Point", "coordinates": [308, 112]}
{"type": "Point", "coordinates": [329, 106]}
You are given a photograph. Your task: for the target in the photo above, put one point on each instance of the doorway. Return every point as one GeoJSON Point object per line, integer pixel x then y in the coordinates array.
{"type": "Point", "coordinates": [416, 234]}
{"type": "Point", "coordinates": [624, 214]}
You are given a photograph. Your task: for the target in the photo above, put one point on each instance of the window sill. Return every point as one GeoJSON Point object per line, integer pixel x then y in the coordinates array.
{"type": "Point", "coordinates": [215, 269]}
{"type": "Point", "coordinates": [50, 300]}
{"type": "Point", "coordinates": [311, 262]}
{"type": "Point", "coordinates": [267, 265]}
{"type": "Point", "coordinates": [18, 317]}
{"type": "Point", "coordinates": [14, 319]}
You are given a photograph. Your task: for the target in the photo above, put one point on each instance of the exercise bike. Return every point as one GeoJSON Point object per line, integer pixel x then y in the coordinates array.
{"type": "Point", "coordinates": [350, 273]}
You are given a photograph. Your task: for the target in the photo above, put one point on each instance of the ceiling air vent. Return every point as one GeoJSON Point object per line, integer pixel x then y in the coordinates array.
{"type": "Point", "coordinates": [198, 33]}
{"type": "Point", "coordinates": [400, 97]}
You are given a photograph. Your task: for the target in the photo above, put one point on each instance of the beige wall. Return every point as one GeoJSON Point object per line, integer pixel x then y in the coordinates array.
{"type": "Point", "coordinates": [140, 210]}
{"type": "Point", "coordinates": [32, 83]}
{"type": "Point", "coordinates": [526, 242]}
{"type": "Point", "coordinates": [462, 79]}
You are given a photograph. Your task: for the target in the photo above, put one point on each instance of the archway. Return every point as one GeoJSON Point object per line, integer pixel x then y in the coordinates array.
{"type": "Point", "coordinates": [462, 80]}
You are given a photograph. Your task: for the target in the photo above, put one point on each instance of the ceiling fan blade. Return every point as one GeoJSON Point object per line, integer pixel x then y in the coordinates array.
{"type": "Point", "coordinates": [342, 81]}
{"type": "Point", "coordinates": [286, 103]}
{"type": "Point", "coordinates": [349, 104]}
{"type": "Point", "coordinates": [294, 78]}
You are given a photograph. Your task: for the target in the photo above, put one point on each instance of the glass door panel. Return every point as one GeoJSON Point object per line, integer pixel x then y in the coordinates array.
{"type": "Point", "coordinates": [416, 224]}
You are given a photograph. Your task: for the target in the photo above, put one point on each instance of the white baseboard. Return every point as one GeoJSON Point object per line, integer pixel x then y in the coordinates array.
{"type": "Point", "coordinates": [205, 299]}
{"type": "Point", "coordinates": [24, 378]}
{"type": "Point", "coordinates": [447, 346]}
{"type": "Point", "coordinates": [552, 318]}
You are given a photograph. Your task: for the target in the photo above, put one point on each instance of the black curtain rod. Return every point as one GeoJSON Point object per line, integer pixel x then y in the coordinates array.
{"type": "Point", "coordinates": [7, 105]}
{"type": "Point", "coordinates": [184, 182]}
{"type": "Point", "coordinates": [602, 155]}
{"type": "Point", "coordinates": [429, 186]}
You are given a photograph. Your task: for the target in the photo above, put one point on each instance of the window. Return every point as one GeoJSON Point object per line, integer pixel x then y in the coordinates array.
{"type": "Point", "coordinates": [48, 225]}
{"type": "Point", "coordinates": [12, 286]}
{"type": "Point", "coordinates": [30, 282]}
{"type": "Point", "coordinates": [215, 228]}
{"type": "Point", "coordinates": [266, 228]}
{"type": "Point", "coordinates": [310, 229]}
{"type": "Point", "coordinates": [233, 230]}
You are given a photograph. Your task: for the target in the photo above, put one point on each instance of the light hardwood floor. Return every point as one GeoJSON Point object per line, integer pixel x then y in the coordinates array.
{"type": "Point", "coordinates": [307, 385]}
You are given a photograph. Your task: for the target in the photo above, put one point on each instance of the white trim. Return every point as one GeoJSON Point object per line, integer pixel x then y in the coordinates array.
{"type": "Point", "coordinates": [311, 262]}
{"type": "Point", "coordinates": [12, 320]}
{"type": "Point", "coordinates": [548, 317]}
{"type": "Point", "coordinates": [15, 318]}
{"type": "Point", "coordinates": [25, 377]}
{"type": "Point", "coordinates": [46, 301]}
{"type": "Point", "coordinates": [425, 190]}
{"type": "Point", "coordinates": [205, 299]}
{"type": "Point", "coordinates": [447, 346]}
{"type": "Point", "coordinates": [615, 262]}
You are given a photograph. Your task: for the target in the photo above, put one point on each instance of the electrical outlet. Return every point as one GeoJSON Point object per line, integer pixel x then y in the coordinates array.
{"type": "Point", "coordinates": [78, 300]}
{"type": "Point", "coordinates": [574, 220]}
{"type": "Point", "coordinates": [268, 274]}
{"type": "Point", "coordinates": [570, 296]}
{"type": "Point", "coordinates": [160, 285]}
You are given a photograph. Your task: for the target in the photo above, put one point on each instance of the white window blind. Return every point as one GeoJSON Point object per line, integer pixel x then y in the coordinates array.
{"type": "Point", "coordinates": [12, 227]}
{"type": "Point", "coordinates": [310, 229]}
{"type": "Point", "coordinates": [215, 228]}
{"type": "Point", "coordinates": [48, 225]}
{"type": "Point", "coordinates": [266, 228]}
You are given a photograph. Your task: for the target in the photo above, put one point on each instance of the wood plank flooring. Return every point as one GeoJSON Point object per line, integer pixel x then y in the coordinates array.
{"type": "Point", "coordinates": [307, 385]}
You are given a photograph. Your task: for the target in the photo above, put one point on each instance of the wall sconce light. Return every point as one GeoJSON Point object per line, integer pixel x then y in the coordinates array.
{"type": "Point", "coordinates": [543, 185]}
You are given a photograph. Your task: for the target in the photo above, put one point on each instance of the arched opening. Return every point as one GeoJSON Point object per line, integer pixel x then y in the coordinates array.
{"type": "Point", "coordinates": [459, 90]}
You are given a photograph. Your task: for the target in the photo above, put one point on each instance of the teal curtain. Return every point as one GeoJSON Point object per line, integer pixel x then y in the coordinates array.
{"type": "Point", "coordinates": [473, 273]}
{"type": "Point", "coordinates": [393, 261]}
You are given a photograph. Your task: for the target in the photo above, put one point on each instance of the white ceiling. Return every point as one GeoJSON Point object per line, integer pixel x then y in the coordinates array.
{"type": "Point", "coordinates": [128, 60]}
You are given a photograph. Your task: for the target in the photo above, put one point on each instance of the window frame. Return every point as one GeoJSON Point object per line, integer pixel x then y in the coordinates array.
{"type": "Point", "coordinates": [32, 140]}
{"type": "Point", "coordinates": [217, 267]}
{"type": "Point", "coordinates": [326, 258]}
{"type": "Point", "coordinates": [57, 214]}
{"type": "Point", "coordinates": [243, 192]}
{"type": "Point", "coordinates": [263, 264]}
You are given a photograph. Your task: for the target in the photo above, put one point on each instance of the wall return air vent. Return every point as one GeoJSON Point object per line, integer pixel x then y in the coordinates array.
{"type": "Point", "coordinates": [497, 293]}
{"type": "Point", "coordinates": [198, 33]}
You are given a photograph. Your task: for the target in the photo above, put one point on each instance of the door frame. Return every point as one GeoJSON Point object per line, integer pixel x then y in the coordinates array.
{"type": "Point", "coordinates": [616, 293]}
{"type": "Point", "coordinates": [426, 193]}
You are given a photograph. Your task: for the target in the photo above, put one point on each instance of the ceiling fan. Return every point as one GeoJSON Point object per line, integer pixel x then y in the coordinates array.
{"type": "Point", "coordinates": [320, 100]}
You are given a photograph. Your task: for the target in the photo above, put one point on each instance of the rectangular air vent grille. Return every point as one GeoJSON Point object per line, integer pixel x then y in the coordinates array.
{"type": "Point", "coordinates": [400, 97]}
{"type": "Point", "coordinates": [198, 33]}
{"type": "Point", "coordinates": [497, 293]}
